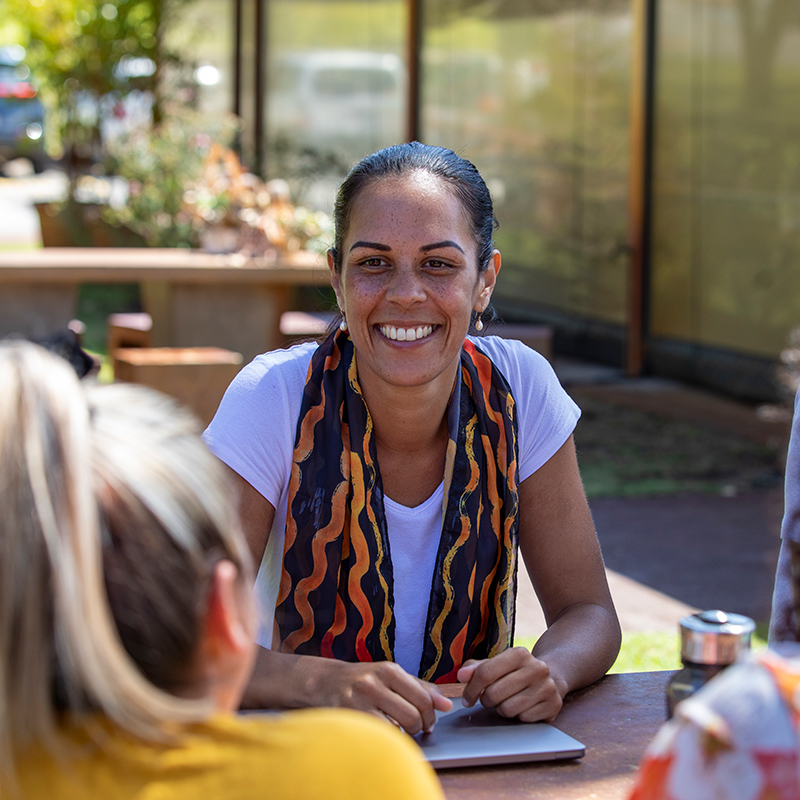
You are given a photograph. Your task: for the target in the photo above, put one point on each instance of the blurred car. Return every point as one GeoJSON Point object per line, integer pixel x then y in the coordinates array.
{"type": "Point", "coordinates": [351, 101]}
{"type": "Point", "coordinates": [21, 111]}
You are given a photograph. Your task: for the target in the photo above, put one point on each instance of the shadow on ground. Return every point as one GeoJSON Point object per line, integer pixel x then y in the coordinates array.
{"type": "Point", "coordinates": [704, 550]}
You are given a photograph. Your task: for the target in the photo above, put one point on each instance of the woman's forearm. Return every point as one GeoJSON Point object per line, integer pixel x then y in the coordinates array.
{"type": "Point", "coordinates": [580, 646]}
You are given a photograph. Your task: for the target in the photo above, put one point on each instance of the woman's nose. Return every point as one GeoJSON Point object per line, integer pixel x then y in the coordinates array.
{"type": "Point", "coordinates": [405, 287]}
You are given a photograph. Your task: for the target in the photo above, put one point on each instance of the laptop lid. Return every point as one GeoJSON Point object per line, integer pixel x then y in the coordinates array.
{"type": "Point", "coordinates": [471, 737]}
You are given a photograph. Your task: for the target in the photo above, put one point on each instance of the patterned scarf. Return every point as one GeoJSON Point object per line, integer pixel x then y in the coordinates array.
{"type": "Point", "coordinates": [336, 592]}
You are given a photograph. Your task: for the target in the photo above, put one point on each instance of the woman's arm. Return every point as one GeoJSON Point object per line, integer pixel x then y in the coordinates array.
{"type": "Point", "coordinates": [283, 680]}
{"type": "Point", "coordinates": [559, 545]}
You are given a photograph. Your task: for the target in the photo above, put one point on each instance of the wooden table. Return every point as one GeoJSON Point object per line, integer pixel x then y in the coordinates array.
{"type": "Point", "coordinates": [615, 719]}
{"type": "Point", "coordinates": [195, 298]}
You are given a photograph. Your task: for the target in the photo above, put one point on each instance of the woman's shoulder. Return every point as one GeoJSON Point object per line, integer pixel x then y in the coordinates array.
{"type": "Point", "coordinates": [272, 382]}
{"type": "Point", "coordinates": [504, 351]}
{"type": "Point", "coordinates": [334, 753]}
{"type": "Point", "coordinates": [319, 754]}
{"type": "Point", "coordinates": [528, 372]}
{"type": "Point", "coordinates": [276, 365]}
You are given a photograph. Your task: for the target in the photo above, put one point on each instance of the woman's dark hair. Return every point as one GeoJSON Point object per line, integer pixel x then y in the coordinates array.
{"type": "Point", "coordinates": [401, 159]}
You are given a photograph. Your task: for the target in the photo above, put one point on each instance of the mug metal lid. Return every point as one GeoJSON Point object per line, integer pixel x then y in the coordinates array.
{"type": "Point", "coordinates": [715, 637]}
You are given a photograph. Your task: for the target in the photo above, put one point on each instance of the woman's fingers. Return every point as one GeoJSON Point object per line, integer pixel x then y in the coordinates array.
{"type": "Point", "coordinates": [515, 683]}
{"type": "Point", "coordinates": [386, 689]}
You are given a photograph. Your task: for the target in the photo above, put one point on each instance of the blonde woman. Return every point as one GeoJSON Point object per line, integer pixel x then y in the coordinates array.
{"type": "Point", "coordinates": [126, 619]}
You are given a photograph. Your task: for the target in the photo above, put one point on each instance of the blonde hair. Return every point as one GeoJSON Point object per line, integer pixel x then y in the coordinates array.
{"type": "Point", "coordinates": [112, 514]}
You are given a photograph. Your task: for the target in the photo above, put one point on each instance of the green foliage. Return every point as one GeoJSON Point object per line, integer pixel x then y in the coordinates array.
{"type": "Point", "coordinates": [96, 301]}
{"type": "Point", "coordinates": [76, 48]}
{"type": "Point", "coordinates": [158, 163]}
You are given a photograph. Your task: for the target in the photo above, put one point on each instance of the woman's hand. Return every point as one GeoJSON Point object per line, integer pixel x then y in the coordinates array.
{"type": "Point", "coordinates": [383, 688]}
{"type": "Point", "coordinates": [516, 683]}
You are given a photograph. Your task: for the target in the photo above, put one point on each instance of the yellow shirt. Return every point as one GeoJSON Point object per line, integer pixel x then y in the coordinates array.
{"type": "Point", "coordinates": [320, 753]}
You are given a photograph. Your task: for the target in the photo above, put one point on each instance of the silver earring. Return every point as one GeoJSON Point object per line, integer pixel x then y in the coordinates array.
{"type": "Point", "coordinates": [343, 324]}
{"type": "Point", "coordinates": [479, 325]}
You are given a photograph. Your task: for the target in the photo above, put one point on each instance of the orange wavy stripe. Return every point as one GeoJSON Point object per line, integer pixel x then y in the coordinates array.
{"type": "Point", "coordinates": [456, 649]}
{"type": "Point", "coordinates": [302, 451]}
{"type": "Point", "coordinates": [307, 585]}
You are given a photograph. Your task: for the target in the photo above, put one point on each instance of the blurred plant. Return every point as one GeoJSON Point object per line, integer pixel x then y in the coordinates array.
{"type": "Point", "coordinates": [235, 210]}
{"type": "Point", "coordinates": [187, 188]}
{"type": "Point", "coordinates": [156, 163]}
{"type": "Point", "coordinates": [89, 56]}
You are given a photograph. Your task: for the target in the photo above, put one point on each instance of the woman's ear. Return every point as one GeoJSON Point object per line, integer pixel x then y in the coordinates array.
{"type": "Point", "coordinates": [335, 277]}
{"type": "Point", "coordinates": [489, 278]}
{"type": "Point", "coordinates": [227, 648]}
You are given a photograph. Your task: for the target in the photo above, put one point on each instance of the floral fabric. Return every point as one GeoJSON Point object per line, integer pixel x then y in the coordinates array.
{"type": "Point", "coordinates": [736, 739]}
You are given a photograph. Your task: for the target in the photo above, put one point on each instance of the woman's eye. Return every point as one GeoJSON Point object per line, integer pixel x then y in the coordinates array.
{"type": "Point", "coordinates": [373, 262]}
{"type": "Point", "coordinates": [436, 264]}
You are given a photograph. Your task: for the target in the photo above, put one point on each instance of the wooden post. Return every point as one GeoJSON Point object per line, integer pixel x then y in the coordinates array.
{"type": "Point", "coordinates": [640, 182]}
{"type": "Point", "coordinates": [414, 60]}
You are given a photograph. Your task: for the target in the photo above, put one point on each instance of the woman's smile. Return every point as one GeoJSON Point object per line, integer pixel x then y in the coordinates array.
{"type": "Point", "coordinates": [403, 334]}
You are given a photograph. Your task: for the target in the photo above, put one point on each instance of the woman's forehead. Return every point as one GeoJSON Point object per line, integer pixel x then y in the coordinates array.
{"type": "Point", "coordinates": [421, 199]}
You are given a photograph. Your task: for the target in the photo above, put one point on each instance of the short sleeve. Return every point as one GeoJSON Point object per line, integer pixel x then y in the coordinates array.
{"type": "Point", "coordinates": [546, 414]}
{"type": "Point", "coordinates": [254, 427]}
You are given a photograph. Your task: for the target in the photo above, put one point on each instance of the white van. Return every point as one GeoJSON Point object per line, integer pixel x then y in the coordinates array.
{"type": "Point", "coordinates": [348, 101]}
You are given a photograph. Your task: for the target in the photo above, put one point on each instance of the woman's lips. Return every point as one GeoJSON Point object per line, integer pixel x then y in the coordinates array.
{"type": "Point", "coordinates": [406, 334]}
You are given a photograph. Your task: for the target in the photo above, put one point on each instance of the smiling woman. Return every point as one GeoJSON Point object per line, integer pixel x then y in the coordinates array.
{"type": "Point", "coordinates": [391, 475]}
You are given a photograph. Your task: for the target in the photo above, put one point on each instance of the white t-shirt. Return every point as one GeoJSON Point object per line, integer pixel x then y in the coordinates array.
{"type": "Point", "coordinates": [253, 432]}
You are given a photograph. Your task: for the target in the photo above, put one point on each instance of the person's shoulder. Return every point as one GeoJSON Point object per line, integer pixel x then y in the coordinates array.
{"type": "Point", "coordinates": [513, 357]}
{"type": "Point", "coordinates": [276, 363]}
{"type": "Point", "coordinates": [337, 753]}
{"type": "Point", "coordinates": [527, 371]}
{"type": "Point", "coordinates": [504, 351]}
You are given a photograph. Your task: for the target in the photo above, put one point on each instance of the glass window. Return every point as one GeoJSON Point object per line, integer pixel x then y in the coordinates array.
{"type": "Point", "coordinates": [726, 238]}
{"type": "Point", "coordinates": [338, 84]}
{"type": "Point", "coordinates": [538, 98]}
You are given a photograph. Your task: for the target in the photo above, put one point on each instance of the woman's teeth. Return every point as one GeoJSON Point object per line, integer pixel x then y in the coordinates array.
{"type": "Point", "coordinates": [406, 334]}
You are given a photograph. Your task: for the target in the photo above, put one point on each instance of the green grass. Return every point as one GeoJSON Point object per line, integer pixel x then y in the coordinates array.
{"type": "Point", "coordinates": [96, 302]}
{"type": "Point", "coordinates": [653, 651]}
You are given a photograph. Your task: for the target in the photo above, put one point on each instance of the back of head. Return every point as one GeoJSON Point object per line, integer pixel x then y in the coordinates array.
{"type": "Point", "coordinates": [112, 516]}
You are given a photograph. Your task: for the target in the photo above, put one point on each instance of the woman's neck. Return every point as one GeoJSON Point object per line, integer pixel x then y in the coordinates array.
{"type": "Point", "coordinates": [410, 427]}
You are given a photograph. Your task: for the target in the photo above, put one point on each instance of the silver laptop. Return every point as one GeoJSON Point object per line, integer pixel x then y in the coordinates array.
{"type": "Point", "coordinates": [471, 737]}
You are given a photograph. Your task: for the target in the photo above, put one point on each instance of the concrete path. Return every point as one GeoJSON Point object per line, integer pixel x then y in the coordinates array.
{"type": "Point", "coordinates": [672, 555]}
{"type": "Point", "coordinates": [19, 221]}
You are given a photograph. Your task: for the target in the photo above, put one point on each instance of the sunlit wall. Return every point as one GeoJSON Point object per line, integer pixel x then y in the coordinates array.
{"type": "Point", "coordinates": [726, 246]}
{"type": "Point", "coordinates": [539, 99]}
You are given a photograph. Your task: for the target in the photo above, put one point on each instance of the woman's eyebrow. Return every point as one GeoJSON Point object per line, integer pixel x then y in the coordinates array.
{"type": "Point", "coordinates": [437, 245]}
{"type": "Point", "coordinates": [372, 246]}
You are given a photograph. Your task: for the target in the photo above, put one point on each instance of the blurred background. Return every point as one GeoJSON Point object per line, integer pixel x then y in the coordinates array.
{"type": "Point", "coordinates": [644, 159]}
{"type": "Point", "coordinates": [644, 155]}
